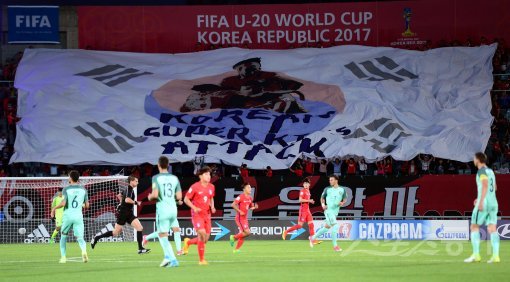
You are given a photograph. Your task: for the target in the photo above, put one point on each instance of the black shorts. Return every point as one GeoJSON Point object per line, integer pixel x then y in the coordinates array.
{"type": "Point", "coordinates": [125, 217]}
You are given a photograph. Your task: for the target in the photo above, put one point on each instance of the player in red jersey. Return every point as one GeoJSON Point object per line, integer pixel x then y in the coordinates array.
{"type": "Point", "coordinates": [304, 211]}
{"type": "Point", "coordinates": [242, 204]}
{"type": "Point", "coordinates": [200, 198]}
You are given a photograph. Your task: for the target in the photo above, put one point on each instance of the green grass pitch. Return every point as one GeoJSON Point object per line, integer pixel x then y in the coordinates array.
{"type": "Point", "coordinates": [259, 261]}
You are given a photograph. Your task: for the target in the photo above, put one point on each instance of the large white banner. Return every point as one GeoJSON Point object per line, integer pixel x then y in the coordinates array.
{"type": "Point", "coordinates": [257, 107]}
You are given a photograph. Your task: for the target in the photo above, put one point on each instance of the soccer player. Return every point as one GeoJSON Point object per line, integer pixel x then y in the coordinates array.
{"type": "Point", "coordinates": [485, 210]}
{"type": "Point", "coordinates": [75, 198]}
{"type": "Point", "coordinates": [125, 215]}
{"type": "Point", "coordinates": [165, 189]}
{"type": "Point", "coordinates": [304, 211]}
{"type": "Point", "coordinates": [242, 204]}
{"type": "Point", "coordinates": [57, 214]}
{"type": "Point", "coordinates": [332, 199]}
{"type": "Point", "coordinates": [200, 198]}
{"type": "Point", "coordinates": [176, 229]}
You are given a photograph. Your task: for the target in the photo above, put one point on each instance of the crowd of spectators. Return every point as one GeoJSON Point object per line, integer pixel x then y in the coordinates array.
{"type": "Point", "coordinates": [498, 149]}
{"type": "Point", "coordinates": [420, 165]}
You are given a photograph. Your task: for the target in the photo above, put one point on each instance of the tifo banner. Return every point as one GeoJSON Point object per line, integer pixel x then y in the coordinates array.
{"type": "Point", "coordinates": [33, 24]}
{"type": "Point", "coordinates": [177, 29]}
{"type": "Point", "coordinates": [258, 107]}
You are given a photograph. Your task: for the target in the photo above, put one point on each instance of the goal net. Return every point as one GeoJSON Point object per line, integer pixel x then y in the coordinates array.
{"type": "Point", "coordinates": [26, 206]}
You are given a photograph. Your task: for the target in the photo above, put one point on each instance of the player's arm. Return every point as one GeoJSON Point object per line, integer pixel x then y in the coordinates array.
{"type": "Point", "coordinates": [187, 200]}
{"type": "Point", "coordinates": [254, 206]}
{"type": "Point", "coordinates": [301, 200]}
{"type": "Point", "coordinates": [323, 199]}
{"type": "Point", "coordinates": [344, 199]}
{"type": "Point", "coordinates": [154, 194]}
{"type": "Point", "coordinates": [235, 206]}
{"type": "Point", "coordinates": [86, 203]}
{"type": "Point", "coordinates": [178, 193]}
{"type": "Point", "coordinates": [53, 204]}
{"type": "Point", "coordinates": [485, 185]}
{"type": "Point", "coordinates": [61, 205]}
{"type": "Point", "coordinates": [213, 209]}
{"type": "Point", "coordinates": [188, 203]}
{"type": "Point", "coordinates": [130, 201]}
{"type": "Point", "coordinates": [178, 197]}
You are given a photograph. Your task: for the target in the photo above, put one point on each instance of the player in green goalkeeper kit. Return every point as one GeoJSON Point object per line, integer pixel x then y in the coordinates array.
{"type": "Point", "coordinates": [57, 214]}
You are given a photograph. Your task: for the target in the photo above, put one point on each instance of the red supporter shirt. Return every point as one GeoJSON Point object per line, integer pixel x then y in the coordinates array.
{"type": "Point", "coordinates": [380, 169]}
{"type": "Point", "coordinates": [244, 202]}
{"type": "Point", "coordinates": [200, 197]}
{"type": "Point", "coordinates": [351, 169]}
{"type": "Point", "coordinates": [298, 172]}
{"type": "Point", "coordinates": [305, 195]}
{"type": "Point", "coordinates": [309, 167]}
{"type": "Point", "coordinates": [244, 172]}
{"type": "Point", "coordinates": [388, 169]}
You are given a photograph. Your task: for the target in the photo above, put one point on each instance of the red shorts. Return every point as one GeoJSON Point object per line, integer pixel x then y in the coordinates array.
{"type": "Point", "coordinates": [242, 223]}
{"type": "Point", "coordinates": [305, 216]}
{"type": "Point", "coordinates": [201, 222]}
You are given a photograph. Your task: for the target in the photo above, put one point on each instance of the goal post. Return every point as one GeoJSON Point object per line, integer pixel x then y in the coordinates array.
{"type": "Point", "coordinates": [25, 207]}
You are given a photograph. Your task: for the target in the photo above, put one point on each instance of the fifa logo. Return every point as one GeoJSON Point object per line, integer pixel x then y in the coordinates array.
{"type": "Point", "coordinates": [407, 19]}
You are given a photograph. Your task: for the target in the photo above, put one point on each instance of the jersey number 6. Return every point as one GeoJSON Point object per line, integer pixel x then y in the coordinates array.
{"type": "Point", "coordinates": [74, 203]}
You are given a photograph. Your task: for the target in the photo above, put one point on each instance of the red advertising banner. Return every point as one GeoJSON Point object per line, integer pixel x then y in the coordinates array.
{"type": "Point", "coordinates": [176, 29]}
{"type": "Point", "coordinates": [26, 204]}
{"type": "Point", "coordinates": [379, 196]}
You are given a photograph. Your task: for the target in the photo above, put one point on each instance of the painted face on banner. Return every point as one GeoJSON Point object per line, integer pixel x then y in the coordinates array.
{"type": "Point", "coordinates": [248, 87]}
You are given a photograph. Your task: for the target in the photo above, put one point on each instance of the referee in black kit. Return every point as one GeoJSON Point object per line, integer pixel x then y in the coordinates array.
{"type": "Point", "coordinates": [125, 215]}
